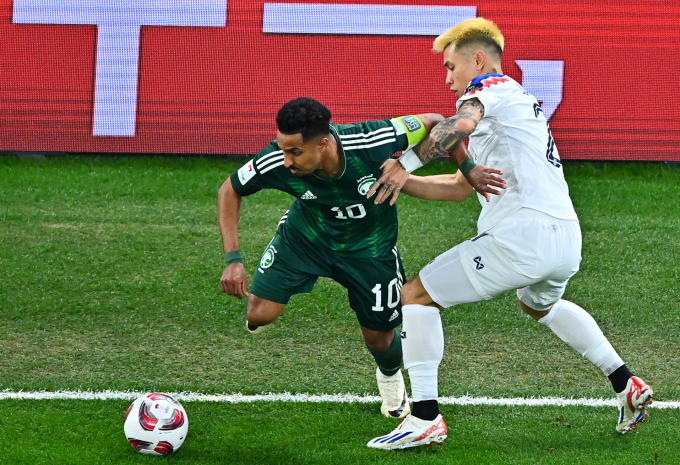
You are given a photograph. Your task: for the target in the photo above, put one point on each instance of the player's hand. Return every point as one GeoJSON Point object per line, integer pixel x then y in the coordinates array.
{"type": "Point", "coordinates": [235, 280]}
{"type": "Point", "coordinates": [393, 178]}
{"type": "Point", "coordinates": [482, 178]}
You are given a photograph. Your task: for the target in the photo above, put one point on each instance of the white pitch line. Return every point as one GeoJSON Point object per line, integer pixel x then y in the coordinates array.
{"type": "Point", "coordinates": [238, 398]}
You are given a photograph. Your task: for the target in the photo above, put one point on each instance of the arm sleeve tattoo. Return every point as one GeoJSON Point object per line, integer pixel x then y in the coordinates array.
{"type": "Point", "coordinates": [448, 133]}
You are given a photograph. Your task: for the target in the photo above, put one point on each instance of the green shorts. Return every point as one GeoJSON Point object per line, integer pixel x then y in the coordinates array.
{"type": "Point", "coordinates": [292, 266]}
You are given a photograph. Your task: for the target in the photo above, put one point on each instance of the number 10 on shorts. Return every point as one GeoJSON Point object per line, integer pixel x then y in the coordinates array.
{"type": "Point", "coordinates": [393, 295]}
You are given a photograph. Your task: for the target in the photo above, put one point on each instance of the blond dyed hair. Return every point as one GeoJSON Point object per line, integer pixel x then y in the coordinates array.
{"type": "Point", "coordinates": [475, 30]}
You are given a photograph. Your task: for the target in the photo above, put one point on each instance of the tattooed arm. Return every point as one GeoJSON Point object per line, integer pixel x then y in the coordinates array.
{"type": "Point", "coordinates": [448, 134]}
{"type": "Point", "coordinates": [446, 138]}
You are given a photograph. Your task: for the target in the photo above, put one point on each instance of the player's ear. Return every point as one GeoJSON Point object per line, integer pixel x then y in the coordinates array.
{"type": "Point", "coordinates": [323, 143]}
{"type": "Point", "coordinates": [480, 59]}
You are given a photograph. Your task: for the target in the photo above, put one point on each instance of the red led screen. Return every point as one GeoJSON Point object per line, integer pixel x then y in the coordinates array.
{"type": "Point", "coordinates": [207, 76]}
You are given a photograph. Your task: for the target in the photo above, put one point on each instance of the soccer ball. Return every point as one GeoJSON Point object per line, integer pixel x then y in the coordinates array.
{"type": "Point", "coordinates": [156, 424]}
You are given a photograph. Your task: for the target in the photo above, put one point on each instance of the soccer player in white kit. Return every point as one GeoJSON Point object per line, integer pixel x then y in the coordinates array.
{"type": "Point", "coordinates": [528, 239]}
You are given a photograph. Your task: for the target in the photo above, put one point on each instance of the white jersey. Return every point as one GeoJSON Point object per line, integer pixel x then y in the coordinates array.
{"type": "Point", "coordinates": [514, 137]}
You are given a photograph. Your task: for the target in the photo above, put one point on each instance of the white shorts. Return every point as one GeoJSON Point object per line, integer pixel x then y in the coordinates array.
{"type": "Point", "coordinates": [529, 251]}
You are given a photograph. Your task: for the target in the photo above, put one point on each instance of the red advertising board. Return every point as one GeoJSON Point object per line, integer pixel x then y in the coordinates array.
{"type": "Point", "coordinates": [207, 76]}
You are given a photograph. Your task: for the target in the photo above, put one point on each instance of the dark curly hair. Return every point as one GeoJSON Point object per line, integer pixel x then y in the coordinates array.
{"type": "Point", "coordinates": [304, 116]}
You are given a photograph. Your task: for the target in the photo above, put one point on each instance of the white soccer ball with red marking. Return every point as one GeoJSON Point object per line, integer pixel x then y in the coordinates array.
{"type": "Point", "coordinates": [156, 424]}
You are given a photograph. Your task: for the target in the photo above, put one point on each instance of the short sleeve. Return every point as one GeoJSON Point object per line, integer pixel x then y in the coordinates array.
{"type": "Point", "coordinates": [375, 140]}
{"type": "Point", "coordinates": [492, 90]}
{"type": "Point", "coordinates": [252, 176]}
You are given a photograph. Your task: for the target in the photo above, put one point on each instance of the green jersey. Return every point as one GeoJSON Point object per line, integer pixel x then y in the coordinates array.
{"type": "Point", "coordinates": [334, 213]}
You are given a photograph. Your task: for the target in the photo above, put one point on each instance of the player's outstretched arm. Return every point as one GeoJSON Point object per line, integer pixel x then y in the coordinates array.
{"type": "Point", "coordinates": [482, 179]}
{"type": "Point", "coordinates": [447, 187]}
{"type": "Point", "coordinates": [234, 278]}
{"type": "Point", "coordinates": [447, 138]}
{"type": "Point", "coordinates": [394, 176]}
{"type": "Point", "coordinates": [449, 133]}
{"type": "Point", "coordinates": [430, 120]}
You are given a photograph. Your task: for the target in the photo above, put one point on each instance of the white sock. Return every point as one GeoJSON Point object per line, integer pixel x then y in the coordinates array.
{"type": "Point", "coordinates": [577, 328]}
{"type": "Point", "coordinates": [423, 347]}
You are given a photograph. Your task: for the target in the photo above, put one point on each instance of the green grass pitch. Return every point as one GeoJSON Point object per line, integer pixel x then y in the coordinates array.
{"type": "Point", "coordinates": [110, 280]}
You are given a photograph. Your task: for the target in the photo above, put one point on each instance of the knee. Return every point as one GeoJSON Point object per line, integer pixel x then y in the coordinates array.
{"type": "Point", "coordinates": [259, 318]}
{"type": "Point", "coordinates": [414, 292]}
{"type": "Point", "coordinates": [260, 314]}
{"type": "Point", "coordinates": [535, 314]}
{"type": "Point", "coordinates": [379, 346]}
{"type": "Point", "coordinates": [380, 341]}
{"type": "Point", "coordinates": [409, 293]}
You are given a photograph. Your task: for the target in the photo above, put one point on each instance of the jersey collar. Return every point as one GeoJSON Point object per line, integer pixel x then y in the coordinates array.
{"type": "Point", "coordinates": [479, 82]}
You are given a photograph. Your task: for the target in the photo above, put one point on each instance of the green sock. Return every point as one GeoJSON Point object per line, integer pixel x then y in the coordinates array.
{"type": "Point", "coordinates": [390, 361]}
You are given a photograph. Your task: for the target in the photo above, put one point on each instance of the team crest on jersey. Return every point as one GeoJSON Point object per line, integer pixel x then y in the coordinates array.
{"type": "Point", "coordinates": [365, 184]}
{"type": "Point", "coordinates": [267, 259]}
{"type": "Point", "coordinates": [487, 80]}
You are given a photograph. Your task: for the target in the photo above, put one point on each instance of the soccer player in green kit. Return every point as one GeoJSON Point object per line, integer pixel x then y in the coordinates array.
{"type": "Point", "coordinates": [332, 229]}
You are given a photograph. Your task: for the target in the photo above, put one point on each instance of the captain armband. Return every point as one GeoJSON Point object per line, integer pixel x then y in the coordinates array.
{"type": "Point", "coordinates": [411, 126]}
{"type": "Point", "coordinates": [415, 132]}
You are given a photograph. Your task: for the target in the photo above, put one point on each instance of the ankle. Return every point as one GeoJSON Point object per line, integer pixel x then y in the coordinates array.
{"type": "Point", "coordinates": [619, 378]}
{"type": "Point", "coordinates": [425, 409]}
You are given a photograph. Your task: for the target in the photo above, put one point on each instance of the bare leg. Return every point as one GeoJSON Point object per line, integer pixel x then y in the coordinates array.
{"type": "Point", "coordinates": [378, 341]}
{"type": "Point", "coordinates": [262, 312]}
{"type": "Point", "coordinates": [535, 314]}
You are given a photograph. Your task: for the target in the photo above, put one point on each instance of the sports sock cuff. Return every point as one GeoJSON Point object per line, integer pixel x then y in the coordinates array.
{"type": "Point", "coordinates": [619, 378]}
{"type": "Point", "coordinates": [390, 361]}
{"type": "Point", "coordinates": [426, 410]}
{"type": "Point", "coordinates": [546, 320]}
{"type": "Point", "coordinates": [604, 356]}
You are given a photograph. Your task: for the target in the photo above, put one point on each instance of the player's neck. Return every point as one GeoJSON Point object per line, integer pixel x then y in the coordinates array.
{"type": "Point", "coordinates": [330, 162]}
{"type": "Point", "coordinates": [493, 69]}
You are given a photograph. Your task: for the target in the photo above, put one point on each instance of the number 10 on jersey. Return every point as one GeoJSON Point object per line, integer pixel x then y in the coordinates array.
{"type": "Point", "coordinates": [354, 212]}
{"type": "Point", "coordinates": [393, 295]}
